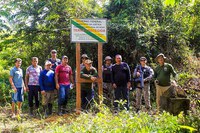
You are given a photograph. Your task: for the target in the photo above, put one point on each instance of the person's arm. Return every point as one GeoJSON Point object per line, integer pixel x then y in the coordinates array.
{"type": "Point", "coordinates": [85, 76]}
{"type": "Point", "coordinates": [56, 77]}
{"type": "Point", "coordinates": [173, 72]}
{"type": "Point", "coordinates": [12, 84]}
{"type": "Point", "coordinates": [41, 80]}
{"type": "Point", "coordinates": [128, 77]}
{"type": "Point", "coordinates": [27, 79]}
{"type": "Point", "coordinates": [112, 77]}
{"type": "Point", "coordinates": [71, 77]}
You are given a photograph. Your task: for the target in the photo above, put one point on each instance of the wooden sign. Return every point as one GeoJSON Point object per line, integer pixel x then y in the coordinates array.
{"type": "Point", "coordinates": [89, 30]}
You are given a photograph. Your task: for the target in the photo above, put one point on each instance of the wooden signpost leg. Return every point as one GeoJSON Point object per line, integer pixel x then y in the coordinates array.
{"type": "Point", "coordinates": [78, 84]}
{"type": "Point", "coordinates": [100, 83]}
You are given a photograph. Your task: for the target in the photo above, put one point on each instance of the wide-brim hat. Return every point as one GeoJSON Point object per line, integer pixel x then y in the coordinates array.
{"type": "Point", "coordinates": [88, 61]}
{"type": "Point", "coordinates": [160, 55]}
{"type": "Point", "coordinates": [107, 58]}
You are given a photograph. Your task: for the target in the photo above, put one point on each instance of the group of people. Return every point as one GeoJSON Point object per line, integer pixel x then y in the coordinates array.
{"type": "Point", "coordinates": [57, 79]}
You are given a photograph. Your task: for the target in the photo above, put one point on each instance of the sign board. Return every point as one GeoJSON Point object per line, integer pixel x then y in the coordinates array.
{"type": "Point", "coordinates": [89, 30]}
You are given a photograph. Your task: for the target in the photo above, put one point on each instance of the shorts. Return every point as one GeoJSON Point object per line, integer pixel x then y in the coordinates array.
{"type": "Point", "coordinates": [18, 96]}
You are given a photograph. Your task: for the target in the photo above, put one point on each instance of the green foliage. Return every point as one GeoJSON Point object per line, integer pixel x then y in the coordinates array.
{"type": "Point", "coordinates": [184, 77]}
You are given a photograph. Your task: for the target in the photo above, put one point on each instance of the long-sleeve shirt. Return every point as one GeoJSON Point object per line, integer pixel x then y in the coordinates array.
{"type": "Point", "coordinates": [147, 72]}
{"type": "Point", "coordinates": [163, 73]}
{"type": "Point", "coordinates": [46, 80]}
{"type": "Point", "coordinates": [121, 74]}
{"type": "Point", "coordinates": [87, 75]}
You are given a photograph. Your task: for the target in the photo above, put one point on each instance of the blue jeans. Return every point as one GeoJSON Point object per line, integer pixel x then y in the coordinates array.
{"type": "Point", "coordinates": [18, 96]}
{"type": "Point", "coordinates": [124, 92]}
{"type": "Point", "coordinates": [63, 94]}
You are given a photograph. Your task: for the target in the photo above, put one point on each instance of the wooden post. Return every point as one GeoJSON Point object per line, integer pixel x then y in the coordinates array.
{"type": "Point", "coordinates": [78, 84]}
{"type": "Point", "coordinates": [100, 82]}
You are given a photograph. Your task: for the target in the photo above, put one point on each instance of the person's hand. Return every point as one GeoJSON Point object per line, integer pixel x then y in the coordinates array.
{"type": "Point", "coordinates": [42, 92]}
{"type": "Point", "coordinates": [93, 78]}
{"type": "Point", "coordinates": [57, 86]}
{"type": "Point", "coordinates": [138, 74]}
{"type": "Point", "coordinates": [173, 83]}
{"type": "Point", "coordinates": [114, 86]}
{"type": "Point", "coordinates": [27, 89]}
{"type": "Point", "coordinates": [129, 85]}
{"type": "Point", "coordinates": [14, 88]}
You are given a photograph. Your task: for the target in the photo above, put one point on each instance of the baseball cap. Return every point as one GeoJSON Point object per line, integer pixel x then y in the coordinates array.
{"type": "Point", "coordinates": [143, 58]}
{"type": "Point", "coordinates": [53, 51]}
{"type": "Point", "coordinates": [107, 58]}
{"type": "Point", "coordinates": [64, 56]}
{"type": "Point", "coordinates": [47, 63]}
{"type": "Point", "coordinates": [84, 56]}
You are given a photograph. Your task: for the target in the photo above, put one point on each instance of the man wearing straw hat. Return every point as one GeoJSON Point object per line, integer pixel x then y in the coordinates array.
{"type": "Point", "coordinates": [162, 77]}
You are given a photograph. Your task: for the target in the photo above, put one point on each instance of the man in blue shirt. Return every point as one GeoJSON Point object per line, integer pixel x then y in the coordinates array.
{"type": "Point", "coordinates": [47, 85]}
{"type": "Point", "coordinates": [121, 78]}
{"type": "Point", "coordinates": [17, 84]}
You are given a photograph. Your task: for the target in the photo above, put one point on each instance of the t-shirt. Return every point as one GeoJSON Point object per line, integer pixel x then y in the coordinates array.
{"type": "Point", "coordinates": [55, 63]}
{"type": "Point", "coordinates": [34, 73]}
{"type": "Point", "coordinates": [17, 75]}
{"type": "Point", "coordinates": [64, 73]}
{"type": "Point", "coordinates": [121, 74]}
{"type": "Point", "coordinates": [163, 73]}
{"type": "Point", "coordinates": [46, 80]}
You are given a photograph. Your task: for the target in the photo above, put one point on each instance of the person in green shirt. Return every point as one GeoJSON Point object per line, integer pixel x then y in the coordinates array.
{"type": "Point", "coordinates": [162, 76]}
{"type": "Point", "coordinates": [90, 73]}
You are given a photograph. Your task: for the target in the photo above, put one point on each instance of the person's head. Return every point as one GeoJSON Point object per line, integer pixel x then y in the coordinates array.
{"type": "Point", "coordinates": [160, 58]}
{"type": "Point", "coordinates": [108, 60]}
{"type": "Point", "coordinates": [64, 60]}
{"type": "Point", "coordinates": [34, 61]}
{"type": "Point", "coordinates": [118, 59]}
{"type": "Point", "coordinates": [88, 64]}
{"type": "Point", "coordinates": [84, 57]}
{"type": "Point", "coordinates": [18, 62]}
{"type": "Point", "coordinates": [143, 61]}
{"type": "Point", "coordinates": [53, 53]}
{"type": "Point", "coordinates": [48, 65]}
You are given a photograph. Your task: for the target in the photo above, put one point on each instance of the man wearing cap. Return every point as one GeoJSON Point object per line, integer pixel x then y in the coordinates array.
{"type": "Point", "coordinates": [47, 85]}
{"type": "Point", "coordinates": [108, 91]}
{"type": "Point", "coordinates": [32, 84]}
{"type": "Point", "coordinates": [83, 58]}
{"type": "Point", "coordinates": [54, 60]}
{"type": "Point", "coordinates": [90, 73]}
{"type": "Point", "coordinates": [63, 78]}
{"type": "Point", "coordinates": [162, 77]}
{"type": "Point", "coordinates": [121, 78]}
{"type": "Point", "coordinates": [146, 73]}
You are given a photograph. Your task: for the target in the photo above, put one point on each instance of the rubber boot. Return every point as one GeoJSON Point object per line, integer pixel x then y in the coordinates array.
{"type": "Point", "coordinates": [50, 109]}
{"type": "Point", "coordinates": [59, 110]}
{"type": "Point", "coordinates": [31, 111]}
{"type": "Point", "coordinates": [64, 109]}
{"type": "Point", "coordinates": [45, 111]}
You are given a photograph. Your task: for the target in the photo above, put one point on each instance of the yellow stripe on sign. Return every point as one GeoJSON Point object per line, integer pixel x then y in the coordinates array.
{"type": "Point", "coordinates": [91, 29]}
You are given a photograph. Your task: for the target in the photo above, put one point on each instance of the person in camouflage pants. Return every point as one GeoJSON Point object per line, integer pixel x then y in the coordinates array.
{"type": "Point", "coordinates": [145, 90]}
{"type": "Point", "coordinates": [108, 91]}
